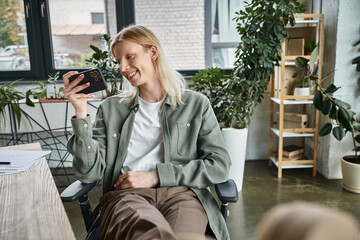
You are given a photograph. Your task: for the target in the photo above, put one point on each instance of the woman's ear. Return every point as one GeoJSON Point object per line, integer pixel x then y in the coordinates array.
{"type": "Point", "coordinates": [154, 53]}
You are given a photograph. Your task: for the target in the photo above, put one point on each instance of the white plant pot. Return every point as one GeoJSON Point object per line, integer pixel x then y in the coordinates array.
{"type": "Point", "coordinates": [235, 143]}
{"type": "Point", "coordinates": [301, 92]}
{"type": "Point", "coordinates": [351, 176]}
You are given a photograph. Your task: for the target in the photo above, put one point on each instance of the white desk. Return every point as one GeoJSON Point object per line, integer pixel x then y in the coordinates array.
{"type": "Point", "coordinates": [30, 205]}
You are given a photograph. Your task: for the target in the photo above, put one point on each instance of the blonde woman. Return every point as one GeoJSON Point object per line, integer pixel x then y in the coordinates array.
{"type": "Point", "coordinates": [157, 148]}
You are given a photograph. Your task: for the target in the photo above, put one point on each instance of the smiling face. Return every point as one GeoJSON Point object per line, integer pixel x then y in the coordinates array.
{"type": "Point", "coordinates": [136, 62]}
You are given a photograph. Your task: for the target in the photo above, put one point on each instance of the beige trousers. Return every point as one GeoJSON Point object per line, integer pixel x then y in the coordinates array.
{"type": "Point", "coordinates": [152, 213]}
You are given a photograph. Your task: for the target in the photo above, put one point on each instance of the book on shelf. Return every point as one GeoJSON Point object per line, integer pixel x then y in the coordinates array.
{"type": "Point", "coordinates": [294, 157]}
{"type": "Point", "coordinates": [292, 150]}
{"type": "Point", "coordinates": [294, 119]}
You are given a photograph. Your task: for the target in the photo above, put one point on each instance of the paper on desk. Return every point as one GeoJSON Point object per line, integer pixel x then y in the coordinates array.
{"type": "Point", "coordinates": [19, 160]}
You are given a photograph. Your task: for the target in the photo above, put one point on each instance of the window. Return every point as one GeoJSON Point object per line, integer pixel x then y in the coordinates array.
{"type": "Point", "coordinates": [14, 49]}
{"type": "Point", "coordinates": [38, 37]}
{"type": "Point", "coordinates": [97, 18]}
{"type": "Point", "coordinates": [73, 31]}
{"type": "Point", "coordinates": [194, 33]}
{"type": "Point", "coordinates": [224, 37]}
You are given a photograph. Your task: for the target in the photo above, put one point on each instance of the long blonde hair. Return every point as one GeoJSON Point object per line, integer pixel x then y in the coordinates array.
{"type": "Point", "coordinates": [172, 81]}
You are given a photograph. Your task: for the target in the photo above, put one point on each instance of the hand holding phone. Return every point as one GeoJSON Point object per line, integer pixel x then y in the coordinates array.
{"type": "Point", "coordinates": [96, 79]}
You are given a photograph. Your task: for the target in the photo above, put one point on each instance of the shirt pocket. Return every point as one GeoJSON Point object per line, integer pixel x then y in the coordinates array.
{"type": "Point", "coordinates": [112, 147]}
{"type": "Point", "coordinates": [187, 134]}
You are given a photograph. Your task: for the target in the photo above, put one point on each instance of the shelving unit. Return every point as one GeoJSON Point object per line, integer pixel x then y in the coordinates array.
{"type": "Point", "coordinates": [309, 25]}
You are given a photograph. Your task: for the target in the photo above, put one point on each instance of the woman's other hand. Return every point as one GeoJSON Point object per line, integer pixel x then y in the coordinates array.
{"type": "Point", "coordinates": [137, 179]}
{"type": "Point", "coordinates": [78, 100]}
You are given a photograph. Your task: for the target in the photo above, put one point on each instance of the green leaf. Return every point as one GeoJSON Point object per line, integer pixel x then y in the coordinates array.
{"type": "Point", "coordinates": [342, 104]}
{"type": "Point", "coordinates": [356, 60]}
{"type": "Point", "coordinates": [331, 89]}
{"type": "Point", "coordinates": [342, 115]}
{"type": "Point", "coordinates": [356, 126]}
{"type": "Point", "coordinates": [313, 57]}
{"type": "Point", "coordinates": [357, 148]}
{"type": "Point", "coordinates": [347, 126]}
{"type": "Point", "coordinates": [318, 100]}
{"type": "Point", "coordinates": [338, 133]}
{"type": "Point", "coordinates": [28, 100]}
{"type": "Point", "coordinates": [296, 73]}
{"type": "Point", "coordinates": [325, 130]}
{"type": "Point", "coordinates": [301, 62]}
{"type": "Point", "coordinates": [327, 106]}
{"type": "Point", "coordinates": [315, 71]}
{"type": "Point", "coordinates": [314, 78]}
{"type": "Point", "coordinates": [357, 138]}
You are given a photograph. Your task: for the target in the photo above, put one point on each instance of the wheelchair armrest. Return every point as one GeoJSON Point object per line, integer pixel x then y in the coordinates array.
{"type": "Point", "coordinates": [76, 190]}
{"type": "Point", "coordinates": [227, 191]}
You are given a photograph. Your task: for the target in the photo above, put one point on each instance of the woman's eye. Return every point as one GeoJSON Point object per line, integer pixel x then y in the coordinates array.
{"type": "Point", "coordinates": [129, 57]}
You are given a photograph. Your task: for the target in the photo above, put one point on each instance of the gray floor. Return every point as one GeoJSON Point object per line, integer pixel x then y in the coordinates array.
{"type": "Point", "coordinates": [261, 191]}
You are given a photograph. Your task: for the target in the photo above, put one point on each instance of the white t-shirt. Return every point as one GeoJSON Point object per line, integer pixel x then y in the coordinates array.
{"type": "Point", "coordinates": [146, 146]}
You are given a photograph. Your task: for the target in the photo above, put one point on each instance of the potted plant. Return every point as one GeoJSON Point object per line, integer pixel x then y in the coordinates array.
{"type": "Point", "coordinates": [342, 121]}
{"type": "Point", "coordinates": [11, 96]}
{"type": "Point", "coordinates": [302, 87]}
{"type": "Point", "coordinates": [41, 92]}
{"type": "Point", "coordinates": [309, 46]}
{"type": "Point", "coordinates": [235, 95]}
{"type": "Point", "coordinates": [215, 84]}
{"type": "Point", "coordinates": [108, 66]}
{"type": "Point", "coordinates": [53, 78]}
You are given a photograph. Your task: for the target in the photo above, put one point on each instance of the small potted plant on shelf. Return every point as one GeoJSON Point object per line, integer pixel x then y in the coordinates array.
{"type": "Point", "coordinates": [41, 92]}
{"type": "Point", "coordinates": [342, 121]}
{"type": "Point", "coordinates": [309, 46]}
{"type": "Point", "coordinates": [308, 68]}
{"type": "Point", "coordinates": [302, 87]}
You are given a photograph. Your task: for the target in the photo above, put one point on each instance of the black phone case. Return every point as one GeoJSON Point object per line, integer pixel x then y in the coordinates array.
{"type": "Point", "coordinates": [96, 79]}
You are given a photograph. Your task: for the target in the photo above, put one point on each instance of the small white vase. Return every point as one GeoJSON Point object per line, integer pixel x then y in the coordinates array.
{"type": "Point", "coordinates": [301, 92]}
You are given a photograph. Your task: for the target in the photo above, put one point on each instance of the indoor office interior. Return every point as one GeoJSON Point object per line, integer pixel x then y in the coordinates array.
{"type": "Point", "coordinates": [285, 91]}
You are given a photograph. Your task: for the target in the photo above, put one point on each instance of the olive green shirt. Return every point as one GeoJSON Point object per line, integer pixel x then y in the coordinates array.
{"type": "Point", "coordinates": [194, 152]}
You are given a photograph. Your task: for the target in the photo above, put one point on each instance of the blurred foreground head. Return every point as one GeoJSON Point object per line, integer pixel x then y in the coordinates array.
{"type": "Point", "coordinates": [307, 221]}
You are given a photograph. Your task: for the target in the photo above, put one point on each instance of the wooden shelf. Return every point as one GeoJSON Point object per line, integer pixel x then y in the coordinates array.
{"type": "Point", "coordinates": [307, 27]}
{"type": "Point", "coordinates": [292, 102]}
{"type": "Point", "coordinates": [292, 134]}
{"type": "Point", "coordinates": [285, 165]}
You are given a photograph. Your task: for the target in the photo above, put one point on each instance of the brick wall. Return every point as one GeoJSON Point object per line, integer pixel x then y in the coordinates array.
{"type": "Point", "coordinates": [180, 27]}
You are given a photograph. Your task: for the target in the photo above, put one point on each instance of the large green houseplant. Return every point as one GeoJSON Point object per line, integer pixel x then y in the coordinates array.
{"type": "Point", "coordinates": [262, 28]}
{"type": "Point", "coordinates": [342, 119]}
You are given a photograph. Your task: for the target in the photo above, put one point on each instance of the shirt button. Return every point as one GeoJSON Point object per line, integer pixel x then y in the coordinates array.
{"type": "Point", "coordinates": [135, 108]}
{"type": "Point", "coordinates": [114, 135]}
{"type": "Point", "coordinates": [188, 124]}
{"type": "Point", "coordinates": [89, 147]}
{"type": "Point", "coordinates": [85, 125]}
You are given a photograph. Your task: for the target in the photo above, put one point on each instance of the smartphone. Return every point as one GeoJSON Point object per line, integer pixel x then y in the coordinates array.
{"type": "Point", "coordinates": [96, 79]}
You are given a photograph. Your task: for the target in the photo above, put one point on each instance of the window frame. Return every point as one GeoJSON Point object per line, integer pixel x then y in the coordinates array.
{"type": "Point", "coordinates": [39, 39]}
{"type": "Point", "coordinates": [38, 28]}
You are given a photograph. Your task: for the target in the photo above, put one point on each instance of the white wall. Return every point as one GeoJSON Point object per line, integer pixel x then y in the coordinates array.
{"type": "Point", "coordinates": [342, 28]}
